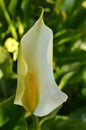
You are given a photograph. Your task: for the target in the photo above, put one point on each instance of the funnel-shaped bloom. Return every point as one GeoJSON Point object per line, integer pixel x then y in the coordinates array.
{"type": "Point", "coordinates": [37, 90]}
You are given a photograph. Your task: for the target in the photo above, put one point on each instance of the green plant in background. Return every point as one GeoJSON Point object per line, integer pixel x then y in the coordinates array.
{"type": "Point", "coordinates": [67, 19]}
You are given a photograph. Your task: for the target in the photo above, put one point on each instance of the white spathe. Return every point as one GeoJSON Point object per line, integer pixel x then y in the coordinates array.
{"type": "Point", "coordinates": [37, 90]}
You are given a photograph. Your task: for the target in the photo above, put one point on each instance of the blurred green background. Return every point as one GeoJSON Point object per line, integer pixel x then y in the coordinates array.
{"type": "Point", "coordinates": [67, 19]}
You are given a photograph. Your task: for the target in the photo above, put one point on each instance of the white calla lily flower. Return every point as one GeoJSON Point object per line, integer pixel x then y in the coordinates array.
{"type": "Point", "coordinates": [37, 90]}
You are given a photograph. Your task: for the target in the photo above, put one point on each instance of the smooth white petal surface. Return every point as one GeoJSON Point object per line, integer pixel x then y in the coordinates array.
{"type": "Point", "coordinates": [37, 52]}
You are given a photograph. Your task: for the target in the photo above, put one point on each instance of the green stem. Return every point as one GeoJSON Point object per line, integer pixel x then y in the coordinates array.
{"type": "Point", "coordinates": [11, 27]}
{"type": "Point", "coordinates": [36, 125]}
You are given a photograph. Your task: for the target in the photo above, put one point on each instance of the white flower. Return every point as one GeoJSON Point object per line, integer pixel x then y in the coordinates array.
{"type": "Point", "coordinates": [37, 90]}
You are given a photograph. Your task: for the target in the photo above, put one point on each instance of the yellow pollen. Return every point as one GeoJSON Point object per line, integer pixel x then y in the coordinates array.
{"type": "Point", "coordinates": [32, 90]}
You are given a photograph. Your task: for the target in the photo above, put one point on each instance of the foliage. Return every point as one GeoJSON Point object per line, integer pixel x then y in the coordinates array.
{"type": "Point", "coordinates": [67, 18]}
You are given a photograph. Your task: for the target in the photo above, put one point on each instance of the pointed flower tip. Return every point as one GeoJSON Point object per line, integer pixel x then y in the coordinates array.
{"type": "Point", "coordinates": [42, 12]}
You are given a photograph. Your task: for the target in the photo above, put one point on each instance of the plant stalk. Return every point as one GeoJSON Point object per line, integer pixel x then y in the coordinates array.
{"type": "Point", "coordinates": [9, 21]}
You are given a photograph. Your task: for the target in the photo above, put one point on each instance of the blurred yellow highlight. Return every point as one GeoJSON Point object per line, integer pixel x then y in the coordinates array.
{"type": "Point", "coordinates": [84, 4]}
{"type": "Point", "coordinates": [12, 46]}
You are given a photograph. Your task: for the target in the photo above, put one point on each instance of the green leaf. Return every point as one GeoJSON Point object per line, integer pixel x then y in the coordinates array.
{"type": "Point", "coordinates": [11, 116]}
{"type": "Point", "coordinates": [64, 123]}
{"type": "Point", "coordinates": [6, 63]}
{"type": "Point", "coordinates": [50, 116]}
{"type": "Point", "coordinates": [65, 36]}
{"type": "Point", "coordinates": [71, 57]}
{"type": "Point", "coordinates": [12, 6]}
{"type": "Point", "coordinates": [79, 114]}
